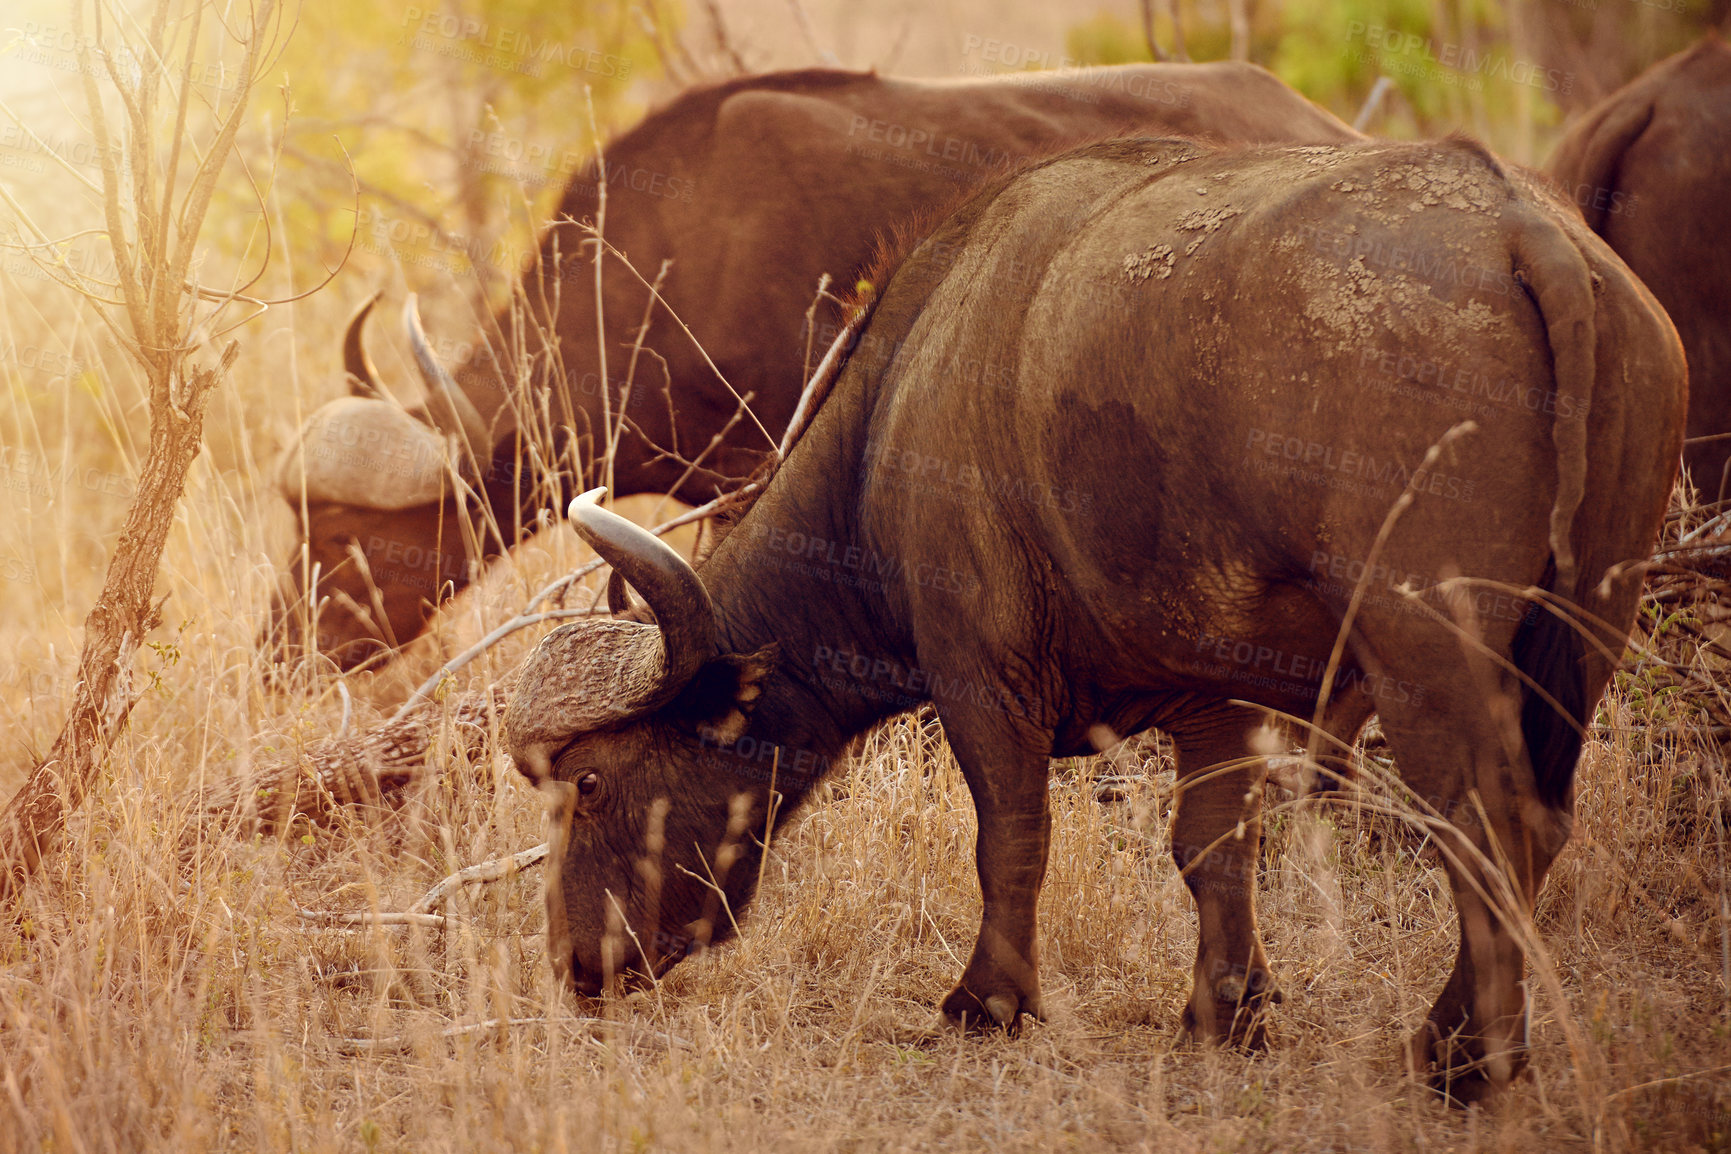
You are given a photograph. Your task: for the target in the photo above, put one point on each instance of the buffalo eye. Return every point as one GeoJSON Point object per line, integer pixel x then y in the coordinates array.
{"type": "Point", "coordinates": [588, 784]}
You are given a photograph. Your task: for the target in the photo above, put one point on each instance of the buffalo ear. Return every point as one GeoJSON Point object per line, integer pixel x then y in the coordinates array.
{"type": "Point", "coordinates": [718, 700]}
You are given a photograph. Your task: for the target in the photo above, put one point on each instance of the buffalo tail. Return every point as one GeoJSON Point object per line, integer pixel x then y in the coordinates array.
{"type": "Point", "coordinates": [1548, 646]}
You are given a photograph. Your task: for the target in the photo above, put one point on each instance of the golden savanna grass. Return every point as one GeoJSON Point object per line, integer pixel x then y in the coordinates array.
{"type": "Point", "coordinates": [159, 988]}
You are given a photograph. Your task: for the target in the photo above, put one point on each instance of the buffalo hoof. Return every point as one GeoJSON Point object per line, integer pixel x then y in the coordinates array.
{"type": "Point", "coordinates": [983, 1013]}
{"type": "Point", "coordinates": [1236, 1015]}
{"type": "Point", "coordinates": [1456, 1068]}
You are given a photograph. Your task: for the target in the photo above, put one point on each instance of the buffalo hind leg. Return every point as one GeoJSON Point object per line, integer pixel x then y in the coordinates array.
{"type": "Point", "coordinates": [1007, 772]}
{"type": "Point", "coordinates": [1216, 837]}
{"type": "Point", "coordinates": [1498, 843]}
{"type": "Point", "coordinates": [1473, 1040]}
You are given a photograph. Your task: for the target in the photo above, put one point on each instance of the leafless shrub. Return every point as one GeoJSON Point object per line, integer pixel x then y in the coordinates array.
{"type": "Point", "coordinates": [165, 321]}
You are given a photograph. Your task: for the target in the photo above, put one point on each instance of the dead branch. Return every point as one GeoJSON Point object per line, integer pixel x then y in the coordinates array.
{"type": "Point", "coordinates": [1153, 42]}
{"type": "Point", "coordinates": [398, 1043]}
{"type": "Point", "coordinates": [723, 42]}
{"type": "Point", "coordinates": [367, 774]}
{"type": "Point", "coordinates": [1238, 13]}
{"type": "Point", "coordinates": [557, 590]}
{"type": "Point", "coordinates": [487, 871]}
{"type": "Point", "coordinates": [368, 918]}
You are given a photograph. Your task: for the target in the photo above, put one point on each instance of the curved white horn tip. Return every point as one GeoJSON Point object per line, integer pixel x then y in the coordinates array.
{"type": "Point", "coordinates": [593, 497]}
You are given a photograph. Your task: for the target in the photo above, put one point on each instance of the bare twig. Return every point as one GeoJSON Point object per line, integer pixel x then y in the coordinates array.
{"type": "Point", "coordinates": [530, 617]}
{"type": "Point", "coordinates": [1148, 36]}
{"type": "Point", "coordinates": [367, 918]}
{"type": "Point", "coordinates": [723, 42]}
{"type": "Point", "coordinates": [686, 329]}
{"type": "Point", "coordinates": [400, 1042]}
{"type": "Point", "coordinates": [487, 871]}
{"type": "Point", "coordinates": [1378, 91]}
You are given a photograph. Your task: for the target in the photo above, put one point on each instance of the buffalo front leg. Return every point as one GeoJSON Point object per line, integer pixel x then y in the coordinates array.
{"type": "Point", "coordinates": [1006, 773]}
{"type": "Point", "coordinates": [1216, 836]}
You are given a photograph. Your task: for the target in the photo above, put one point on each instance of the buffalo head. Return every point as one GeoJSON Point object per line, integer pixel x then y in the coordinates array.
{"type": "Point", "coordinates": [630, 729]}
{"type": "Point", "coordinates": [374, 488]}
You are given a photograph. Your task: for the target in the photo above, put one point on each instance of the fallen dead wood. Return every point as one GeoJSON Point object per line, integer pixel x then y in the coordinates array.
{"type": "Point", "coordinates": [487, 871]}
{"type": "Point", "coordinates": [363, 775]}
{"type": "Point", "coordinates": [349, 921]}
{"type": "Point", "coordinates": [399, 1043]}
{"type": "Point", "coordinates": [419, 914]}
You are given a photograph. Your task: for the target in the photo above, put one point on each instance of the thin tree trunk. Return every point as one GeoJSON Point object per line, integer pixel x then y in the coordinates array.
{"type": "Point", "coordinates": [35, 818]}
{"type": "Point", "coordinates": [1174, 10]}
{"type": "Point", "coordinates": [1154, 48]}
{"type": "Point", "coordinates": [1239, 16]}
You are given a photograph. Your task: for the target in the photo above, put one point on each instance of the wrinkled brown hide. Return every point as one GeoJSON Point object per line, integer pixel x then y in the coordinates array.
{"type": "Point", "coordinates": [1650, 168]}
{"type": "Point", "coordinates": [1213, 376]}
{"type": "Point", "coordinates": [757, 187]}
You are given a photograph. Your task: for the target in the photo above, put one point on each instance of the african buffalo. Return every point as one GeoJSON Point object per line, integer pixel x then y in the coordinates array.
{"type": "Point", "coordinates": [1650, 168]}
{"type": "Point", "coordinates": [755, 188]}
{"type": "Point", "coordinates": [1198, 431]}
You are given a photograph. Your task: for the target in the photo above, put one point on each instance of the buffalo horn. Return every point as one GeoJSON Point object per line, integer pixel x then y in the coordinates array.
{"type": "Point", "coordinates": [363, 377]}
{"type": "Point", "coordinates": [448, 405]}
{"type": "Point", "coordinates": [665, 580]}
{"type": "Point", "coordinates": [618, 593]}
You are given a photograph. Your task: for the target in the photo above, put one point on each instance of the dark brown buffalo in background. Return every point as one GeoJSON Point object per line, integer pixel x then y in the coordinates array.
{"type": "Point", "coordinates": [1198, 421]}
{"type": "Point", "coordinates": [754, 188]}
{"type": "Point", "coordinates": [1650, 168]}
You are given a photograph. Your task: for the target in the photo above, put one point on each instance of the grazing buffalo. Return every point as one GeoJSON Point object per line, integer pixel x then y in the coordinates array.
{"type": "Point", "coordinates": [1244, 406]}
{"type": "Point", "coordinates": [1650, 168]}
{"type": "Point", "coordinates": [754, 189]}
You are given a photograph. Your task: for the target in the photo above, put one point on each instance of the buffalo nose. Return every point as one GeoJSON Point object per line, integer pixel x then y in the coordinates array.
{"type": "Point", "coordinates": [585, 982]}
